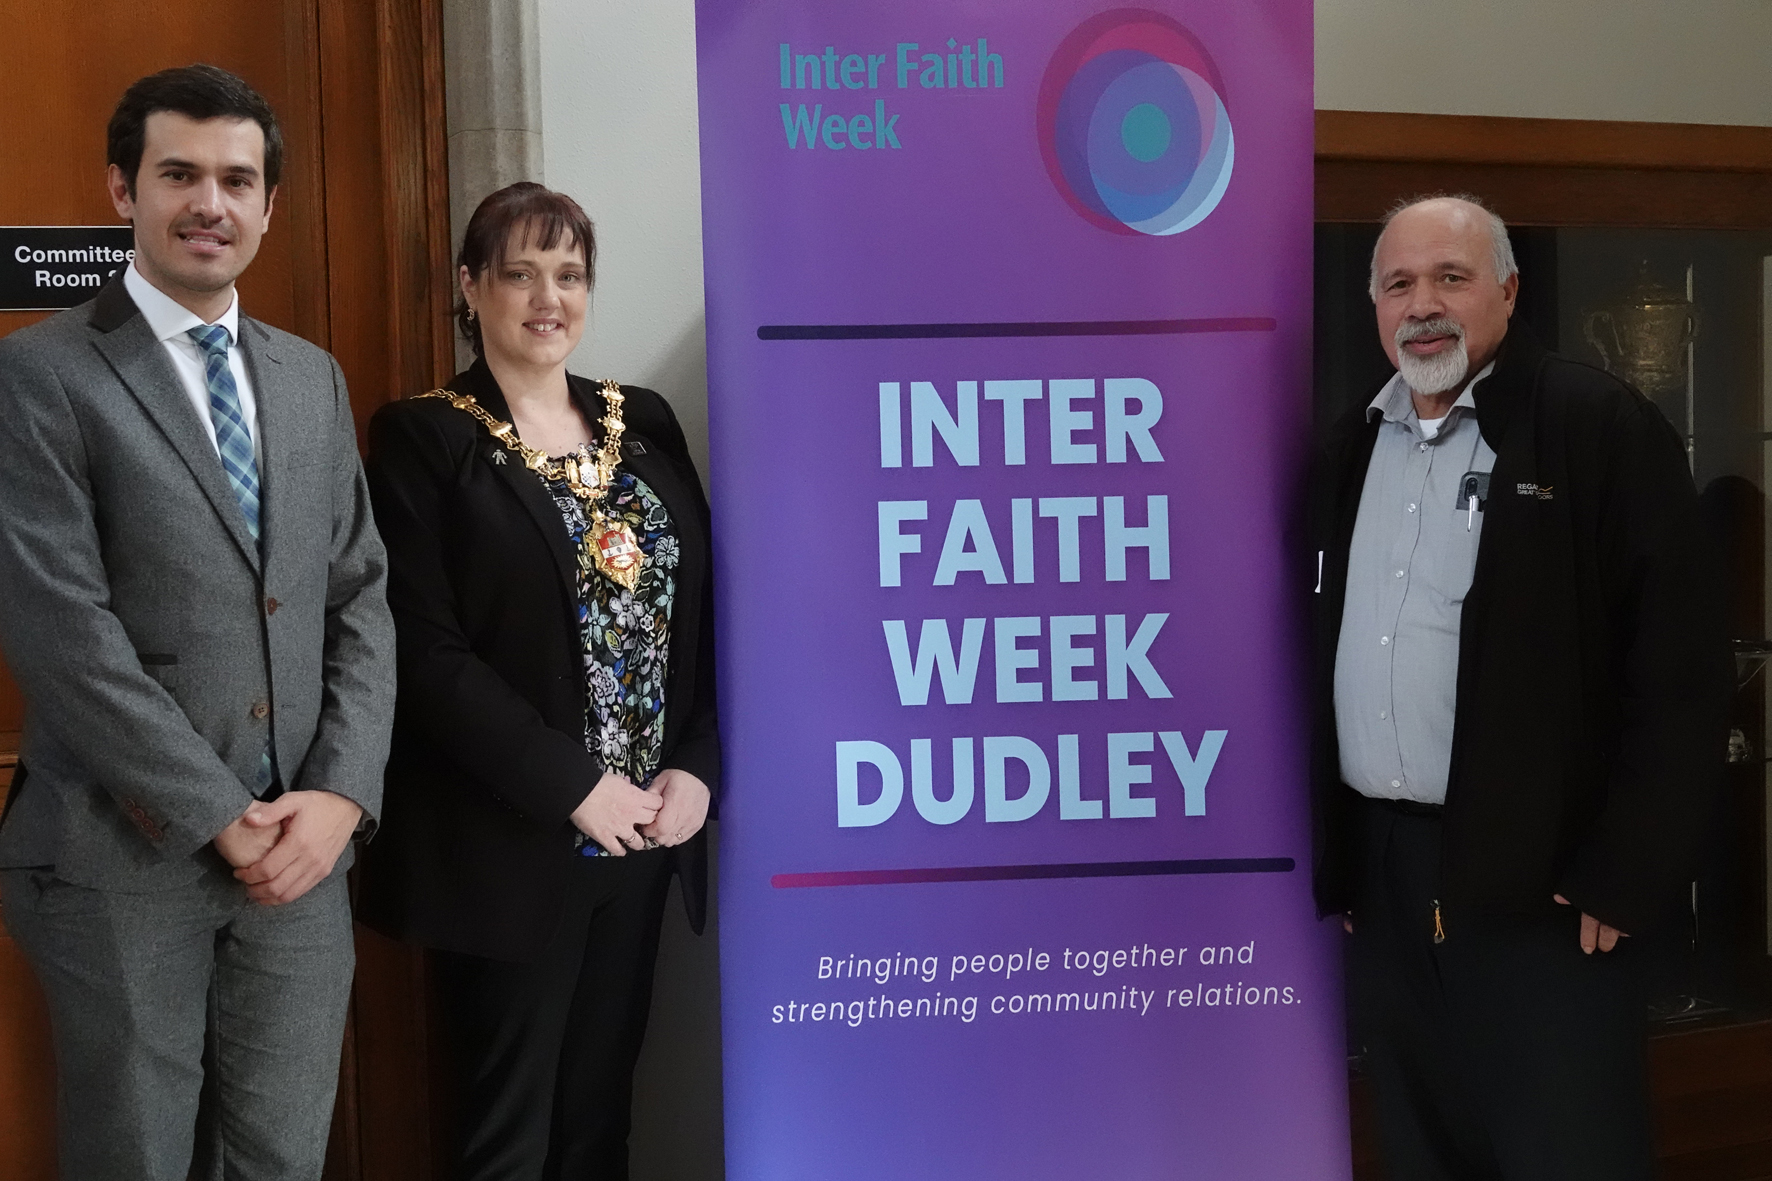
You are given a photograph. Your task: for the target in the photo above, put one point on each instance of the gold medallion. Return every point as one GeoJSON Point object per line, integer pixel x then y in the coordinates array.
{"type": "Point", "coordinates": [618, 554]}
{"type": "Point", "coordinates": [615, 551]}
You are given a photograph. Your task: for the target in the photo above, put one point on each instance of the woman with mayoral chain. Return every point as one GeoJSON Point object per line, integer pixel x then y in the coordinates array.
{"type": "Point", "coordinates": [555, 746]}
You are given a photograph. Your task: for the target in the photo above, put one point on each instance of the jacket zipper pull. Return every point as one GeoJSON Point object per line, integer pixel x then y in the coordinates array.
{"type": "Point", "coordinates": [1439, 931]}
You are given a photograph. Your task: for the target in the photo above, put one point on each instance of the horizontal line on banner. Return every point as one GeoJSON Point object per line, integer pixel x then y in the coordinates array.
{"type": "Point", "coordinates": [1025, 328]}
{"type": "Point", "coordinates": [1009, 873]}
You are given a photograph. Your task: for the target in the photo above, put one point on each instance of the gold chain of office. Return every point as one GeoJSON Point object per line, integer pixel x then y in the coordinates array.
{"type": "Point", "coordinates": [615, 551]}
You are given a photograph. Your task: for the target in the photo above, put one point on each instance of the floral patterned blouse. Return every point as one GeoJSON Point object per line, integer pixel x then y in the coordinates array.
{"type": "Point", "coordinates": [626, 634]}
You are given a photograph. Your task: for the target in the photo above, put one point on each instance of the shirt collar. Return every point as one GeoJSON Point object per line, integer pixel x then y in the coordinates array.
{"type": "Point", "coordinates": [1396, 403]}
{"type": "Point", "coordinates": [169, 319]}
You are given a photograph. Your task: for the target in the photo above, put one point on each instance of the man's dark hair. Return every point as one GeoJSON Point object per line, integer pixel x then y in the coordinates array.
{"type": "Point", "coordinates": [547, 218]}
{"type": "Point", "coordinates": [197, 92]}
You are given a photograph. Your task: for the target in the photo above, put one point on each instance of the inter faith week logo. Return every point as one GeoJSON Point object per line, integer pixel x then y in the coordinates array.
{"type": "Point", "coordinates": [1133, 125]}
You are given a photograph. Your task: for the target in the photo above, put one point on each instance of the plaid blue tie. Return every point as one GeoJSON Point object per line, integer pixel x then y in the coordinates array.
{"type": "Point", "coordinates": [232, 438]}
{"type": "Point", "coordinates": [234, 441]}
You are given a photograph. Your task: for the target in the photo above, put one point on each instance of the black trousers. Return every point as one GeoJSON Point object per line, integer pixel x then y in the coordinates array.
{"type": "Point", "coordinates": [1503, 1053]}
{"type": "Point", "coordinates": [544, 1052]}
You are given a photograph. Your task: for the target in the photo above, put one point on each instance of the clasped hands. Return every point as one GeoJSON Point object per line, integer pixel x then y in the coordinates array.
{"type": "Point", "coordinates": [283, 849]}
{"type": "Point", "coordinates": [619, 816]}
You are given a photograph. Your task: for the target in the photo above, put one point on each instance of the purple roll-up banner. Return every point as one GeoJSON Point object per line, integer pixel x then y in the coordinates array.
{"type": "Point", "coordinates": [1008, 336]}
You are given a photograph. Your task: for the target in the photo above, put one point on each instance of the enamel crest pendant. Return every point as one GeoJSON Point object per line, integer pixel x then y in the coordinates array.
{"type": "Point", "coordinates": [618, 553]}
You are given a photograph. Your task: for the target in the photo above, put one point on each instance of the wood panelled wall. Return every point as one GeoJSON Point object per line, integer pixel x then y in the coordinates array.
{"type": "Point", "coordinates": [357, 261]}
{"type": "Point", "coordinates": [1547, 172]}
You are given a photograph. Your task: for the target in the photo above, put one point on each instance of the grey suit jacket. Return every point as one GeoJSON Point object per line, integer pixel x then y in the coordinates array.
{"type": "Point", "coordinates": [155, 648]}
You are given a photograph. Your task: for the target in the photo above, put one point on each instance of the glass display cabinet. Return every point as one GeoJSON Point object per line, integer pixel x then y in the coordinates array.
{"type": "Point", "coordinates": [1646, 250]}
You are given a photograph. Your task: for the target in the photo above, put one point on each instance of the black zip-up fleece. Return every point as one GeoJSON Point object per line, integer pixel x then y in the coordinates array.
{"type": "Point", "coordinates": [1594, 678]}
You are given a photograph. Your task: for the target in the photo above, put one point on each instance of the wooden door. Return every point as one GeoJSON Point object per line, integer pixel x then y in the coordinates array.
{"type": "Point", "coordinates": [356, 260]}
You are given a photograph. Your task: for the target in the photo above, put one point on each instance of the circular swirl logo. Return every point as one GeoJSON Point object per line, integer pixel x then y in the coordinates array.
{"type": "Point", "coordinates": [1133, 126]}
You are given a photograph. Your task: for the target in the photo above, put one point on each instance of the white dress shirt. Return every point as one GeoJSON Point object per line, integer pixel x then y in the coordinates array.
{"type": "Point", "coordinates": [171, 323]}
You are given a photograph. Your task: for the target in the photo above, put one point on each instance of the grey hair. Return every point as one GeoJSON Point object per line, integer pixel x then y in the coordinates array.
{"type": "Point", "coordinates": [1501, 250]}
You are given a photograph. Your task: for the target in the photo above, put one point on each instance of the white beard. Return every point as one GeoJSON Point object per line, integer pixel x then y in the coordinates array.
{"type": "Point", "coordinates": [1436, 374]}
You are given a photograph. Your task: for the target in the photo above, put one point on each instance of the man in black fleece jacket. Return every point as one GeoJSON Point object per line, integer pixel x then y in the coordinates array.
{"type": "Point", "coordinates": [1521, 692]}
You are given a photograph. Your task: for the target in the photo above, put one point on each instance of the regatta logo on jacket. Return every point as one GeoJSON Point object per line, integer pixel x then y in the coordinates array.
{"type": "Point", "coordinates": [1543, 493]}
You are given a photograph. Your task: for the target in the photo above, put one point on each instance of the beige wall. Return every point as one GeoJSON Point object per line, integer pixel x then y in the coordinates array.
{"type": "Point", "coordinates": [618, 118]}
{"type": "Point", "coordinates": [619, 121]}
{"type": "Point", "coordinates": [1670, 61]}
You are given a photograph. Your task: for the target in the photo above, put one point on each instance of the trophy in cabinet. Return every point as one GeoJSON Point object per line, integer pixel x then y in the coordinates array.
{"type": "Point", "coordinates": [1642, 337]}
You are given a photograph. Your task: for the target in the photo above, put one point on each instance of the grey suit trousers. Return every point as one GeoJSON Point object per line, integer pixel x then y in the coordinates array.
{"type": "Point", "coordinates": [196, 1032]}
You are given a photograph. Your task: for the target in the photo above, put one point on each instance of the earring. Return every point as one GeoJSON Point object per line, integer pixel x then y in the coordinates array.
{"type": "Point", "coordinates": [470, 315]}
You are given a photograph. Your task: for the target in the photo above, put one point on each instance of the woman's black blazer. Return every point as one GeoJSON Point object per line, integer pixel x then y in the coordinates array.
{"type": "Point", "coordinates": [488, 758]}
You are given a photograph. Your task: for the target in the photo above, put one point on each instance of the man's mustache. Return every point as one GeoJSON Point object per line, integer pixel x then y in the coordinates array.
{"type": "Point", "coordinates": [1410, 330]}
{"type": "Point", "coordinates": [221, 229]}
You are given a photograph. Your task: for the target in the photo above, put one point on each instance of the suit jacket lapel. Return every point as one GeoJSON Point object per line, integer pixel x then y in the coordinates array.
{"type": "Point", "coordinates": [533, 493]}
{"type": "Point", "coordinates": [524, 484]}
{"type": "Point", "coordinates": [141, 364]}
{"type": "Point", "coordinates": [652, 467]}
{"type": "Point", "coordinates": [269, 375]}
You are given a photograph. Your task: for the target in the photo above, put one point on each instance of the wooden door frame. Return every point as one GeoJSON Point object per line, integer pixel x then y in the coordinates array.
{"type": "Point", "coordinates": [384, 312]}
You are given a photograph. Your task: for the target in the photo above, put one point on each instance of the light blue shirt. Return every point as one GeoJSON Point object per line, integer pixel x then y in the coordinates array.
{"type": "Point", "coordinates": [1413, 555]}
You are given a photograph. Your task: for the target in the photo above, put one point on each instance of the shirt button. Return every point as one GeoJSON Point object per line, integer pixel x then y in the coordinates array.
{"type": "Point", "coordinates": [1384, 639]}
{"type": "Point", "coordinates": [1396, 783]}
{"type": "Point", "coordinates": [260, 710]}
{"type": "Point", "coordinates": [1383, 714]}
{"type": "Point", "coordinates": [1411, 508]}
{"type": "Point", "coordinates": [1399, 574]}
{"type": "Point", "coordinates": [1423, 446]}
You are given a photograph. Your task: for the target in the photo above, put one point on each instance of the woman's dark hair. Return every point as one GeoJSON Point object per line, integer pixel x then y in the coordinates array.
{"type": "Point", "coordinates": [547, 219]}
{"type": "Point", "coordinates": [198, 92]}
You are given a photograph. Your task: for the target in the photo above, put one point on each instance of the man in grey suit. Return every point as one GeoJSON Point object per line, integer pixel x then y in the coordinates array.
{"type": "Point", "coordinates": [192, 599]}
